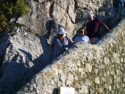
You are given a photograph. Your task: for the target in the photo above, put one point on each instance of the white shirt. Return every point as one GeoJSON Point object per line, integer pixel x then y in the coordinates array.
{"type": "Point", "coordinates": [82, 38]}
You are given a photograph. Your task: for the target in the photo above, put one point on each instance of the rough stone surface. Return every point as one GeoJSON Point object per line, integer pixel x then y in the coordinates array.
{"type": "Point", "coordinates": [72, 14]}
{"type": "Point", "coordinates": [93, 69]}
{"type": "Point", "coordinates": [24, 56]}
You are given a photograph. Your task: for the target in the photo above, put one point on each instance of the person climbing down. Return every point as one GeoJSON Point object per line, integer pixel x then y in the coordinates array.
{"type": "Point", "coordinates": [60, 43]}
{"type": "Point", "coordinates": [80, 36]}
{"type": "Point", "coordinates": [51, 27]}
{"type": "Point", "coordinates": [93, 28]}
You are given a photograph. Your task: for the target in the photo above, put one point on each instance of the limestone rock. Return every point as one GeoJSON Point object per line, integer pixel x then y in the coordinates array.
{"type": "Point", "coordinates": [63, 12]}
{"type": "Point", "coordinates": [23, 56]}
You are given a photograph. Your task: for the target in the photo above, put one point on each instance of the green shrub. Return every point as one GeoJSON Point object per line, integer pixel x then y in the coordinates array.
{"type": "Point", "coordinates": [11, 9]}
{"type": "Point", "coordinates": [3, 23]}
{"type": "Point", "coordinates": [20, 9]}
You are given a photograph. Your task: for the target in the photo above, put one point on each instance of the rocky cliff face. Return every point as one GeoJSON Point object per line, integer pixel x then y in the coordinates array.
{"type": "Point", "coordinates": [89, 68]}
{"type": "Point", "coordinates": [22, 54]}
{"type": "Point", "coordinates": [69, 13]}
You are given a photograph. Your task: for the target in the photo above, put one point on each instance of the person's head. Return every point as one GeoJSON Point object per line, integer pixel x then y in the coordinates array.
{"type": "Point", "coordinates": [61, 33]}
{"type": "Point", "coordinates": [90, 16]}
{"type": "Point", "coordinates": [81, 32]}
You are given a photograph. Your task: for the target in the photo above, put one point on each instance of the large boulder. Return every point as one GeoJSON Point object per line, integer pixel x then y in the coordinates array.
{"type": "Point", "coordinates": [23, 55]}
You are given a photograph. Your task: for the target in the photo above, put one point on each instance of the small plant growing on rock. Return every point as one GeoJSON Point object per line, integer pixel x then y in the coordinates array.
{"type": "Point", "coordinates": [11, 9]}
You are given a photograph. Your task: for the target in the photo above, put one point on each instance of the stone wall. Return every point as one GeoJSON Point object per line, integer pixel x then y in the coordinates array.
{"type": "Point", "coordinates": [90, 69]}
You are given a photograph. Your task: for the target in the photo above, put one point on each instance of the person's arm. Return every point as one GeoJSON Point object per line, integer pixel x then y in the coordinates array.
{"type": "Point", "coordinates": [104, 25]}
{"type": "Point", "coordinates": [96, 27]}
{"type": "Point", "coordinates": [70, 41]}
{"type": "Point", "coordinates": [51, 49]}
{"type": "Point", "coordinates": [52, 46]}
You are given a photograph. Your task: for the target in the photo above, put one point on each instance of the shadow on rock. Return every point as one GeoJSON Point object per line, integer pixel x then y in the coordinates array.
{"type": "Point", "coordinates": [18, 72]}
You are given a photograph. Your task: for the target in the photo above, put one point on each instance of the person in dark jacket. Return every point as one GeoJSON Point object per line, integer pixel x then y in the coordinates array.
{"type": "Point", "coordinates": [51, 27]}
{"type": "Point", "coordinates": [93, 28]}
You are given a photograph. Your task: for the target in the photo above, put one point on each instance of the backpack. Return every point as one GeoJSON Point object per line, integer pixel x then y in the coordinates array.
{"type": "Point", "coordinates": [118, 3]}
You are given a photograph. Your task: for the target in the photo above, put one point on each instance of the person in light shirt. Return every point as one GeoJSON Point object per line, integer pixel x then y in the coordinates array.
{"type": "Point", "coordinates": [81, 37]}
{"type": "Point", "coordinates": [60, 43]}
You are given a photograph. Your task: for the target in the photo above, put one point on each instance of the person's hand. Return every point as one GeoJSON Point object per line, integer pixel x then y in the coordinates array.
{"type": "Point", "coordinates": [109, 30]}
